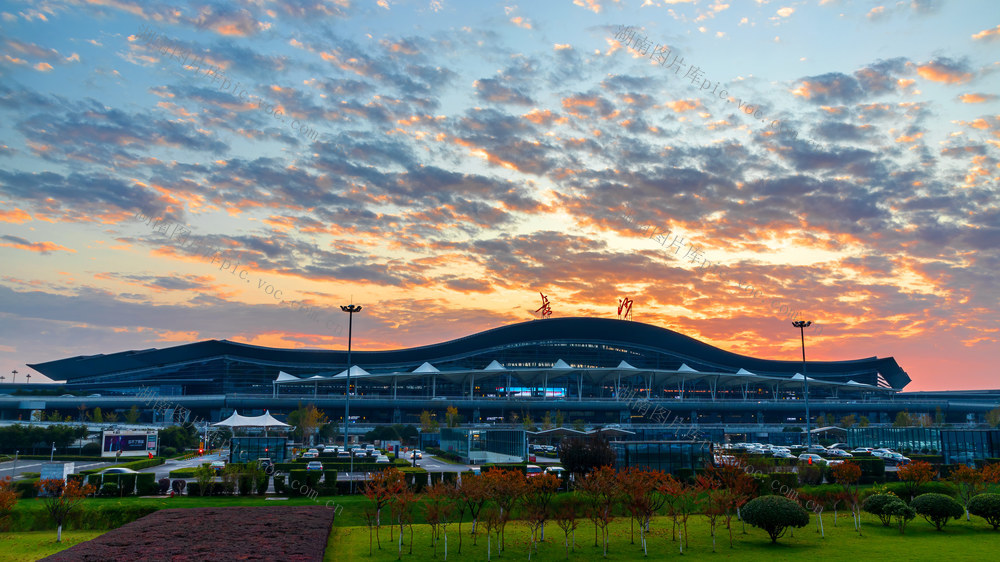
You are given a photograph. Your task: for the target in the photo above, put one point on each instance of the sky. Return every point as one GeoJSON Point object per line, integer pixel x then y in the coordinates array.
{"type": "Point", "coordinates": [176, 172]}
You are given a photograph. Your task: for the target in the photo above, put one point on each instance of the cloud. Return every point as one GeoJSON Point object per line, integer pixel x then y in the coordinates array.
{"type": "Point", "coordinates": [976, 98]}
{"type": "Point", "coordinates": [988, 34]}
{"type": "Point", "coordinates": [945, 70]}
{"type": "Point", "coordinates": [44, 248]}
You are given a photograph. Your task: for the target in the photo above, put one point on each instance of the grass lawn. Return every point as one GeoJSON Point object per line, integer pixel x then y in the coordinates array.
{"type": "Point", "coordinates": [39, 544]}
{"type": "Point", "coordinates": [959, 541]}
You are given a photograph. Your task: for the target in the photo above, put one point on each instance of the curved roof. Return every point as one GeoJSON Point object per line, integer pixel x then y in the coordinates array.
{"type": "Point", "coordinates": [642, 339]}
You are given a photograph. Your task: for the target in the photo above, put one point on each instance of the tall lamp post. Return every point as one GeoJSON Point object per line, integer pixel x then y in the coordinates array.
{"type": "Point", "coordinates": [802, 325]}
{"type": "Point", "coordinates": [350, 310]}
{"type": "Point", "coordinates": [13, 379]}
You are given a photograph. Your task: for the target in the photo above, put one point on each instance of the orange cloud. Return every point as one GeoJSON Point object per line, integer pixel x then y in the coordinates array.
{"type": "Point", "coordinates": [521, 22]}
{"type": "Point", "coordinates": [40, 247]}
{"type": "Point", "coordinates": [988, 34]}
{"type": "Point", "coordinates": [680, 106]}
{"type": "Point", "coordinates": [976, 98]}
{"type": "Point", "coordinates": [937, 72]}
{"type": "Point", "coordinates": [17, 216]}
{"type": "Point", "coordinates": [592, 5]}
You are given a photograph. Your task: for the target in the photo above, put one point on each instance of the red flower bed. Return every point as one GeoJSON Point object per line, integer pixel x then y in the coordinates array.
{"type": "Point", "coordinates": [214, 533]}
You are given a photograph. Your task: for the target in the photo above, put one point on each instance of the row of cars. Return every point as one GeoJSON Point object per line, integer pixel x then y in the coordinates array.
{"type": "Point", "coordinates": [831, 456]}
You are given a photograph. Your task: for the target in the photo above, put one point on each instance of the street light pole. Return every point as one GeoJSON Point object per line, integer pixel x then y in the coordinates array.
{"type": "Point", "coordinates": [13, 379]}
{"type": "Point", "coordinates": [802, 325]}
{"type": "Point", "coordinates": [350, 310]}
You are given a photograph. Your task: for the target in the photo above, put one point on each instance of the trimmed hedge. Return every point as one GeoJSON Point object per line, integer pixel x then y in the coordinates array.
{"type": "Point", "coordinates": [872, 469]}
{"type": "Point", "coordinates": [182, 473]}
{"type": "Point", "coordinates": [145, 484]}
{"type": "Point", "coordinates": [26, 488]}
{"type": "Point", "coordinates": [279, 483]}
{"type": "Point", "coordinates": [417, 477]}
{"type": "Point", "coordinates": [771, 484]}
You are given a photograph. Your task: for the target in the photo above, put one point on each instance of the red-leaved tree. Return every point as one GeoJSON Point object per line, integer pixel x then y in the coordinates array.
{"type": "Point", "coordinates": [60, 499]}
{"type": "Point", "coordinates": [916, 474]}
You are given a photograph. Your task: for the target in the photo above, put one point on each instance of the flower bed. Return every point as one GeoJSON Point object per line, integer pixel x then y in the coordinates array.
{"type": "Point", "coordinates": [214, 533]}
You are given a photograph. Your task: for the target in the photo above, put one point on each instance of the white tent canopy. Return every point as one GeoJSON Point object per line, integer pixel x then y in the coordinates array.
{"type": "Point", "coordinates": [264, 420]}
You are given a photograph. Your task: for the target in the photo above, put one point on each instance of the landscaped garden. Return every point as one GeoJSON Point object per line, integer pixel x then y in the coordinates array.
{"type": "Point", "coordinates": [734, 511]}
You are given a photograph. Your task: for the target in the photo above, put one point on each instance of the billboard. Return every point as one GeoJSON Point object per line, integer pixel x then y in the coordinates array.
{"type": "Point", "coordinates": [128, 443]}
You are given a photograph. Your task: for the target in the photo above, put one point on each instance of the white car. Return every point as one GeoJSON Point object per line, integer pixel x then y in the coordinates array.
{"type": "Point", "coordinates": [416, 454]}
{"type": "Point", "coordinates": [382, 459]}
{"type": "Point", "coordinates": [839, 453]}
{"type": "Point", "coordinates": [862, 450]}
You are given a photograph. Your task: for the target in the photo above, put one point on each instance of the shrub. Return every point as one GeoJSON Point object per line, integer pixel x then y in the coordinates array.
{"type": "Point", "coordinates": [245, 485]}
{"type": "Point", "coordinates": [901, 512]}
{"type": "Point", "coordinates": [26, 488]}
{"type": "Point", "coordinates": [937, 508]}
{"type": "Point", "coordinates": [194, 489]}
{"type": "Point", "coordinates": [279, 483]}
{"type": "Point", "coordinates": [91, 450]}
{"type": "Point", "coordinates": [881, 505]}
{"type": "Point", "coordinates": [146, 484]}
{"type": "Point", "coordinates": [164, 486]}
{"type": "Point", "coordinates": [262, 482]}
{"type": "Point", "coordinates": [168, 452]}
{"type": "Point", "coordinates": [109, 489]}
{"type": "Point", "coordinates": [182, 473]}
{"type": "Point", "coordinates": [810, 474]}
{"type": "Point", "coordinates": [178, 486]}
{"type": "Point", "coordinates": [126, 484]}
{"type": "Point", "coordinates": [986, 506]}
{"type": "Point", "coordinates": [774, 514]}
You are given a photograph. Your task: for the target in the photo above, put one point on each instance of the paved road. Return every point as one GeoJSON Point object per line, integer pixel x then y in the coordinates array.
{"type": "Point", "coordinates": [33, 465]}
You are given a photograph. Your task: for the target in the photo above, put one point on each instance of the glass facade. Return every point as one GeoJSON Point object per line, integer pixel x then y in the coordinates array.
{"type": "Point", "coordinates": [967, 446]}
{"type": "Point", "coordinates": [244, 449]}
{"type": "Point", "coordinates": [485, 445]}
{"type": "Point", "coordinates": [926, 440]}
{"type": "Point", "coordinates": [668, 456]}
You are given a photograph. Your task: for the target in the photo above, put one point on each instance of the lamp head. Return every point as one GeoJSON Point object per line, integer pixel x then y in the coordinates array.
{"type": "Point", "coordinates": [802, 323]}
{"type": "Point", "coordinates": [351, 308]}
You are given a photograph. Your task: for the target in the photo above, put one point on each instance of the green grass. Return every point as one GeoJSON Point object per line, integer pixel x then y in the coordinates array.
{"type": "Point", "coordinates": [959, 541]}
{"type": "Point", "coordinates": [39, 544]}
{"type": "Point", "coordinates": [444, 460]}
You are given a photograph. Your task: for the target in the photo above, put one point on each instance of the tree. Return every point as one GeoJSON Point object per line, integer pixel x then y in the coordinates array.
{"type": "Point", "coordinates": [581, 455]}
{"type": "Point", "coordinates": [774, 514]}
{"type": "Point", "coordinates": [547, 421]}
{"type": "Point", "coordinates": [820, 420]}
{"type": "Point", "coordinates": [848, 421]}
{"type": "Point", "coordinates": [438, 509]}
{"type": "Point", "coordinates": [878, 505]}
{"type": "Point", "coordinates": [560, 418]}
{"type": "Point", "coordinates": [97, 416]}
{"type": "Point", "coordinates": [848, 476]}
{"type": "Point", "coordinates": [132, 415]}
{"type": "Point", "coordinates": [991, 473]}
{"type": "Point", "coordinates": [578, 424]}
{"type": "Point", "coordinates": [538, 498]}
{"type": "Point", "coordinates": [916, 474]}
{"type": "Point", "coordinates": [601, 487]}
{"type": "Point", "coordinates": [987, 506]}
{"type": "Point", "coordinates": [307, 420]}
{"type": "Point", "coordinates": [380, 489]}
{"type": "Point", "coordinates": [8, 499]}
{"type": "Point", "coordinates": [205, 476]}
{"type": "Point", "coordinates": [451, 414]}
{"type": "Point", "coordinates": [427, 422]}
{"type": "Point", "coordinates": [902, 513]}
{"type": "Point", "coordinates": [863, 421]}
{"type": "Point", "coordinates": [993, 417]}
{"type": "Point", "coordinates": [566, 518]}
{"type": "Point", "coordinates": [505, 488]}
{"type": "Point", "coordinates": [938, 416]}
{"type": "Point", "coordinates": [111, 417]}
{"type": "Point", "coordinates": [903, 419]}
{"type": "Point", "coordinates": [60, 499]}
{"type": "Point", "coordinates": [969, 482]}
{"type": "Point", "coordinates": [475, 495]}
{"type": "Point", "coordinates": [937, 509]}
{"type": "Point", "coordinates": [712, 501]}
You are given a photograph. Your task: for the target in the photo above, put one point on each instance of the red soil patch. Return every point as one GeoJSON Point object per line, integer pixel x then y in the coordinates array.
{"type": "Point", "coordinates": [214, 533]}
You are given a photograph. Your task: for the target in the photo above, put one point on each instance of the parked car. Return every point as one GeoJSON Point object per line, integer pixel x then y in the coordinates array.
{"type": "Point", "coordinates": [812, 458]}
{"type": "Point", "coordinates": [265, 462]}
{"type": "Point", "coordinates": [880, 453]}
{"type": "Point", "coordinates": [310, 455]}
{"type": "Point", "coordinates": [843, 446]}
{"type": "Point", "coordinates": [314, 465]}
{"type": "Point", "coordinates": [557, 470]}
{"type": "Point", "coordinates": [118, 470]}
{"type": "Point", "coordinates": [533, 470]}
{"type": "Point", "coordinates": [783, 455]}
{"type": "Point", "coordinates": [839, 453]}
{"type": "Point", "coordinates": [343, 454]}
{"type": "Point", "coordinates": [834, 462]}
{"type": "Point", "coordinates": [360, 453]}
{"type": "Point", "coordinates": [475, 470]}
{"type": "Point", "coordinates": [896, 459]}
{"type": "Point", "coordinates": [818, 449]}
{"type": "Point", "coordinates": [382, 459]}
{"type": "Point", "coordinates": [862, 450]}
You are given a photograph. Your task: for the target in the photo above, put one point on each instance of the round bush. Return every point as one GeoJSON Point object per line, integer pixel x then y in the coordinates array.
{"type": "Point", "coordinates": [902, 512]}
{"type": "Point", "coordinates": [774, 514]}
{"type": "Point", "coordinates": [986, 506]}
{"type": "Point", "coordinates": [109, 489]}
{"type": "Point", "coordinates": [879, 505]}
{"type": "Point", "coordinates": [91, 450]}
{"type": "Point", "coordinates": [937, 508]}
